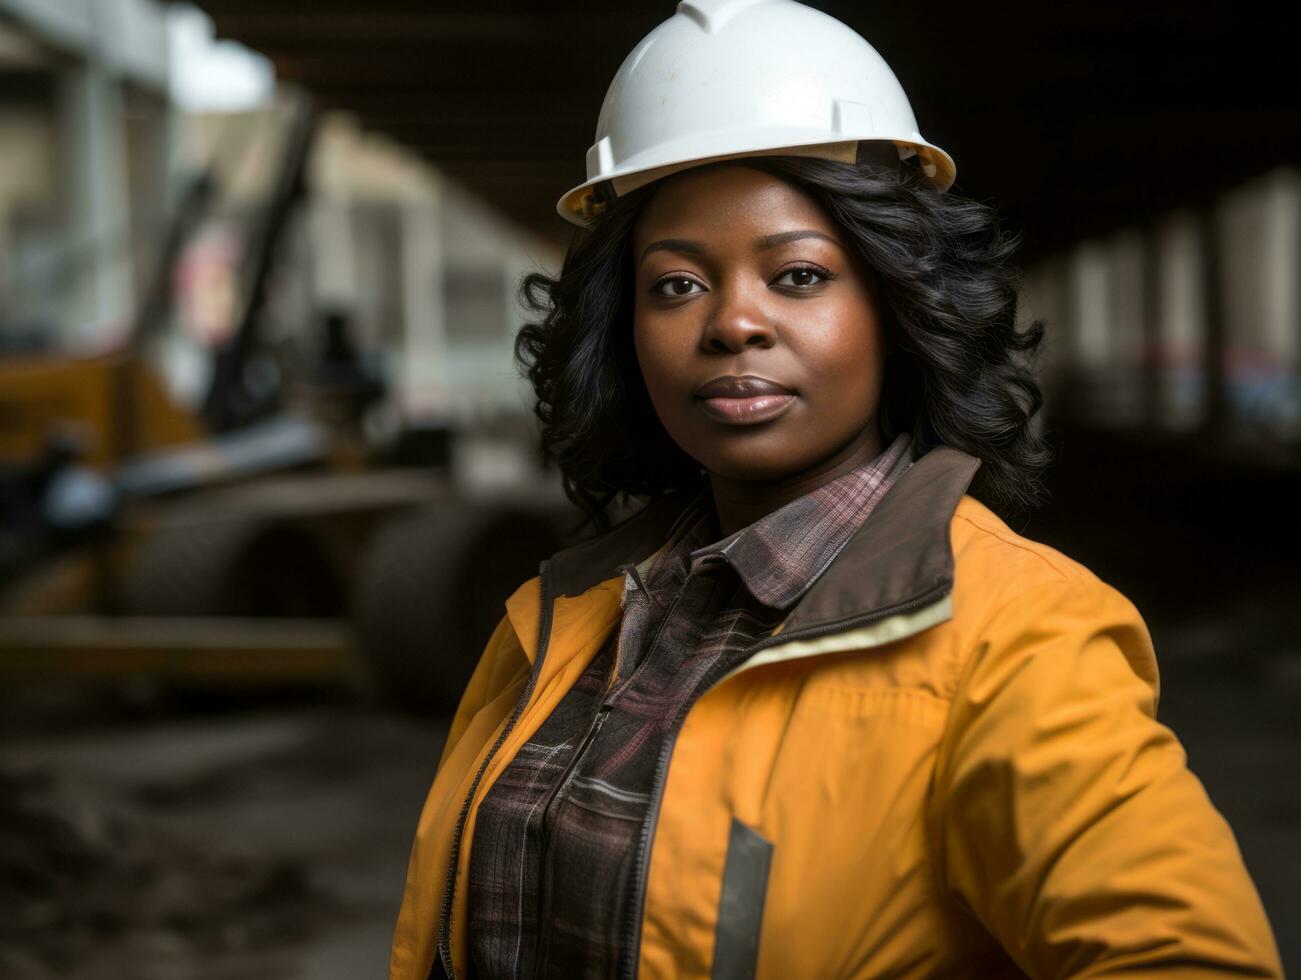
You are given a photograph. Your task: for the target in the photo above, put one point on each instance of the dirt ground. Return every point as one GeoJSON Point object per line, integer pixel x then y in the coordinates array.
{"type": "Point", "coordinates": [267, 842]}
{"type": "Point", "coordinates": [145, 838]}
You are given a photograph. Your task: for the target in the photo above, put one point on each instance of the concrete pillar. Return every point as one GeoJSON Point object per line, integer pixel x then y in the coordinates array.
{"type": "Point", "coordinates": [1153, 352]}
{"type": "Point", "coordinates": [99, 289]}
{"type": "Point", "coordinates": [1182, 322]}
{"type": "Point", "coordinates": [1282, 270]}
{"type": "Point", "coordinates": [1123, 397]}
{"type": "Point", "coordinates": [1091, 289]}
{"type": "Point", "coordinates": [1215, 339]}
{"type": "Point", "coordinates": [423, 377]}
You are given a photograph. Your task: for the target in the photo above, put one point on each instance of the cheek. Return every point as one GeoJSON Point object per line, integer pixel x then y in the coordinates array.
{"type": "Point", "coordinates": [846, 358]}
{"type": "Point", "coordinates": [656, 354]}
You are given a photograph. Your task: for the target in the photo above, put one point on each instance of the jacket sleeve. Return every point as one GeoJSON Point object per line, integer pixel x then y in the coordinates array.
{"type": "Point", "coordinates": [502, 663]}
{"type": "Point", "coordinates": [1064, 815]}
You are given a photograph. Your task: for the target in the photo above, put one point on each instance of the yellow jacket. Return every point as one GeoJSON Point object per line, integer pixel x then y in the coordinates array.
{"type": "Point", "coordinates": [944, 762]}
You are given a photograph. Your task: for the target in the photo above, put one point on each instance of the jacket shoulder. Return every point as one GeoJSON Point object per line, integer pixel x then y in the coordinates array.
{"type": "Point", "coordinates": [1008, 586]}
{"type": "Point", "coordinates": [996, 568]}
{"type": "Point", "coordinates": [983, 539]}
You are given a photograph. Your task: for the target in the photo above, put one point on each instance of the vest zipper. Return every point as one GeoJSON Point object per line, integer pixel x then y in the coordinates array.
{"type": "Point", "coordinates": [641, 864]}
{"type": "Point", "coordinates": [544, 636]}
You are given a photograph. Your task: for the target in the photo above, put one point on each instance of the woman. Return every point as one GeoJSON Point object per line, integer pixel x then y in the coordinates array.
{"type": "Point", "coordinates": [815, 710]}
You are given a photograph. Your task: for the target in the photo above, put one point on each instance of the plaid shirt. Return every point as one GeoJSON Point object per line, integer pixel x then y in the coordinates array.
{"type": "Point", "coordinates": [556, 837]}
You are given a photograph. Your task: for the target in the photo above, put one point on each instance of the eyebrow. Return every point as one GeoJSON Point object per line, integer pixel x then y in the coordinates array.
{"type": "Point", "coordinates": [763, 244]}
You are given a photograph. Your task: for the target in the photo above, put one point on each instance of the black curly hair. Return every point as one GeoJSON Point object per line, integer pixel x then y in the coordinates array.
{"type": "Point", "coordinates": [956, 374]}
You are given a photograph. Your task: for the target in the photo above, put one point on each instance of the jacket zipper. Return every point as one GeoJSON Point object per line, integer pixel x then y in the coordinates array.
{"type": "Point", "coordinates": [598, 722]}
{"type": "Point", "coordinates": [544, 636]}
{"type": "Point", "coordinates": [604, 706]}
{"type": "Point", "coordinates": [632, 947]}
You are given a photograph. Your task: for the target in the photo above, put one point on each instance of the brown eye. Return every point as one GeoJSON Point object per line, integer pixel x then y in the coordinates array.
{"type": "Point", "coordinates": [804, 277]}
{"type": "Point", "coordinates": [676, 286]}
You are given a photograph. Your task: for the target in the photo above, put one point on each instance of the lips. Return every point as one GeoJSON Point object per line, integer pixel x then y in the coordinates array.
{"type": "Point", "coordinates": [745, 400]}
{"type": "Point", "coordinates": [747, 386]}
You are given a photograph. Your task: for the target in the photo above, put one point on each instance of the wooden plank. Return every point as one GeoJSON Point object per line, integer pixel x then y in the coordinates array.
{"type": "Point", "coordinates": [225, 651]}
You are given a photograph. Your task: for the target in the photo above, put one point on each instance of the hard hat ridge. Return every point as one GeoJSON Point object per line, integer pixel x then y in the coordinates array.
{"type": "Point", "coordinates": [711, 15]}
{"type": "Point", "coordinates": [725, 79]}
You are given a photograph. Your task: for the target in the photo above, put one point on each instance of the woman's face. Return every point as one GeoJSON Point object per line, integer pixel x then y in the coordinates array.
{"type": "Point", "coordinates": [740, 275]}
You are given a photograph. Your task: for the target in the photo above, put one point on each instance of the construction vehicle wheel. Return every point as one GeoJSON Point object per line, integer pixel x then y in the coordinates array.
{"type": "Point", "coordinates": [231, 567]}
{"type": "Point", "coordinates": [432, 589]}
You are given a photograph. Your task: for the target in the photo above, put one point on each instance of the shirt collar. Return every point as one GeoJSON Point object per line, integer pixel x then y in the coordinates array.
{"type": "Point", "coordinates": [782, 554]}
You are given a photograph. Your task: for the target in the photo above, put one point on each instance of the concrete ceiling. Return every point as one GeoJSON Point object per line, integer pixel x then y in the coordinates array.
{"type": "Point", "coordinates": [1073, 118]}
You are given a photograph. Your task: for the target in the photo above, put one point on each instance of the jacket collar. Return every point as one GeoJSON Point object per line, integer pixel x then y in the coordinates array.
{"type": "Point", "coordinates": [576, 569]}
{"type": "Point", "coordinates": [781, 556]}
{"type": "Point", "coordinates": [901, 552]}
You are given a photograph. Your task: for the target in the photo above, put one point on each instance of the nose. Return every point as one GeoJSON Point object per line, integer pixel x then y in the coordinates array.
{"type": "Point", "coordinates": [736, 322]}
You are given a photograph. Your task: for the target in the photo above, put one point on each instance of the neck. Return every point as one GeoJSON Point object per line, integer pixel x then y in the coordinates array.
{"type": "Point", "coordinates": [739, 503]}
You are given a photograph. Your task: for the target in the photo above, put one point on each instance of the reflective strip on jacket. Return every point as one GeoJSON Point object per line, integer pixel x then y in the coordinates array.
{"type": "Point", "coordinates": [944, 762]}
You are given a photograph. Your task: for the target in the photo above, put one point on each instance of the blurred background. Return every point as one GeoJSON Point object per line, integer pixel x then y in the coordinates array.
{"type": "Point", "coordinates": [267, 470]}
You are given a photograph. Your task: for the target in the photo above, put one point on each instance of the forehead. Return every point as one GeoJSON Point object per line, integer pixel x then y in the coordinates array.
{"type": "Point", "coordinates": [717, 203]}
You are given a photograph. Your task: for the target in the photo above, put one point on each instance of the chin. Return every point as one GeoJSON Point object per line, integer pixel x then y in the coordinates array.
{"type": "Point", "coordinates": [756, 466]}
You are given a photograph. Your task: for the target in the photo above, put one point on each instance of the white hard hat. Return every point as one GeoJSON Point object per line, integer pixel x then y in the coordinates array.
{"type": "Point", "coordinates": [722, 79]}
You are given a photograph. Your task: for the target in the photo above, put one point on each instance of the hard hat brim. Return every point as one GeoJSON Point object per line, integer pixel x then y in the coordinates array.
{"type": "Point", "coordinates": [577, 204]}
